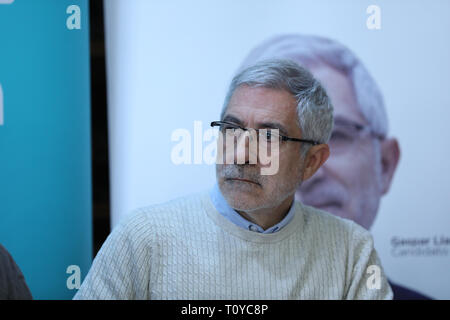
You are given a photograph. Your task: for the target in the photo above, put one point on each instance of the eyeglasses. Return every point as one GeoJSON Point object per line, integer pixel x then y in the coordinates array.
{"type": "Point", "coordinates": [233, 129]}
{"type": "Point", "coordinates": [346, 133]}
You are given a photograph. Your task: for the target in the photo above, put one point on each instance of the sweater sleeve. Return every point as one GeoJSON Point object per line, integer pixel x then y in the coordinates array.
{"type": "Point", "coordinates": [120, 270]}
{"type": "Point", "coordinates": [367, 280]}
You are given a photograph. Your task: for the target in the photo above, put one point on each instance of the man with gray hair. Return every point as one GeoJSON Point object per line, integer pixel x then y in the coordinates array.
{"type": "Point", "coordinates": [247, 238]}
{"type": "Point", "coordinates": [363, 158]}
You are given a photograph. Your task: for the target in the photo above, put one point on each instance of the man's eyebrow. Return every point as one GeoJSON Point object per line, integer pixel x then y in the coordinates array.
{"type": "Point", "coordinates": [232, 119]}
{"type": "Point", "coordinates": [274, 125]}
{"type": "Point", "coordinates": [270, 125]}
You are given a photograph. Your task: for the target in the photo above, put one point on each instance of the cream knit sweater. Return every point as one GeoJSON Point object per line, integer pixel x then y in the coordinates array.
{"type": "Point", "coordinates": [185, 249]}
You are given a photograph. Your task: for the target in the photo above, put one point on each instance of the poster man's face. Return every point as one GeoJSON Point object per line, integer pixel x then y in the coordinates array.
{"type": "Point", "coordinates": [348, 184]}
{"type": "Point", "coordinates": [254, 108]}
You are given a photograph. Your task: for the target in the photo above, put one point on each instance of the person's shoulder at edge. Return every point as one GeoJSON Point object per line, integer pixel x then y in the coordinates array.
{"type": "Point", "coordinates": [12, 282]}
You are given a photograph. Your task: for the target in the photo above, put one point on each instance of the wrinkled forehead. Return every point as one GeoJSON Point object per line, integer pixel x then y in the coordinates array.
{"type": "Point", "coordinates": [254, 106]}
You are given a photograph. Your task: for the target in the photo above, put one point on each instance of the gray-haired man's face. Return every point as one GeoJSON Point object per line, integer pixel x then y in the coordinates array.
{"type": "Point", "coordinates": [243, 185]}
{"type": "Point", "coordinates": [348, 184]}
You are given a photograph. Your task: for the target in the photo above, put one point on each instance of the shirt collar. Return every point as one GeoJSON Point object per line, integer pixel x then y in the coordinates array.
{"type": "Point", "coordinates": [228, 212]}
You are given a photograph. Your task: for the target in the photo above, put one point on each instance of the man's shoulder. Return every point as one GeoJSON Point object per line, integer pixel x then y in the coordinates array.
{"type": "Point", "coordinates": [172, 213]}
{"type": "Point", "coordinates": [165, 210]}
{"type": "Point", "coordinates": [333, 225]}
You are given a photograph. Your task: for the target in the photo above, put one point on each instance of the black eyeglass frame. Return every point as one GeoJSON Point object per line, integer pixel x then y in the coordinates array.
{"type": "Point", "coordinates": [283, 138]}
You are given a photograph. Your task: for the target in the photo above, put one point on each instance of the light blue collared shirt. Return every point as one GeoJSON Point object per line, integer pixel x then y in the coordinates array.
{"type": "Point", "coordinates": [224, 209]}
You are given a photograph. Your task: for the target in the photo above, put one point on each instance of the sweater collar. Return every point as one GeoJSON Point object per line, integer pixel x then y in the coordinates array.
{"type": "Point", "coordinates": [232, 215]}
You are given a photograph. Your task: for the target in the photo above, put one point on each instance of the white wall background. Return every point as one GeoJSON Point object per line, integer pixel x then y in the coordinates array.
{"type": "Point", "coordinates": [169, 64]}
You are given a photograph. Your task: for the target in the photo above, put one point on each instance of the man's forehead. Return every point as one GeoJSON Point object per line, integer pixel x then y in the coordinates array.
{"type": "Point", "coordinates": [262, 105]}
{"type": "Point", "coordinates": [262, 124]}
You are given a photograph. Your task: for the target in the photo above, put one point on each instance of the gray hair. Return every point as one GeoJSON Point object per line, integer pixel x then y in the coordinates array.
{"type": "Point", "coordinates": [314, 109]}
{"type": "Point", "coordinates": [308, 50]}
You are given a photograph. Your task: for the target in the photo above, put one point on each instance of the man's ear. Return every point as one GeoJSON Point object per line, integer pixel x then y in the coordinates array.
{"type": "Point", "coordinates": [316, 157]}
{"type": "Point", "coordinates": [390, 155]}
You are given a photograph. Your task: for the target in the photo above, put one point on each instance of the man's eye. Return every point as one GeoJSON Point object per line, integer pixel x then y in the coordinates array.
{"type": "Point", "coordinates": [268, 135]}
{"type": "Point", "coordinates": [227, 127]}
{"type": "Point", "coordinates": [230, 130]}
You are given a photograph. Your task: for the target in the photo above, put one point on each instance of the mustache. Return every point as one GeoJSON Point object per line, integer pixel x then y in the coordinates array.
{"type": "Point", "coordinates": [240, 172]}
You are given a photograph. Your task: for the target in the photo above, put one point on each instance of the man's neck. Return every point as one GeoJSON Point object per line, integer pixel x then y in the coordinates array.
{"type": "Point", "coordinates": [268, 217]}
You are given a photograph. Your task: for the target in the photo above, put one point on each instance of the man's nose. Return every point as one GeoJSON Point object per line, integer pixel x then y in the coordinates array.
{"type": "Point", "coordinates": [246, 148]}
